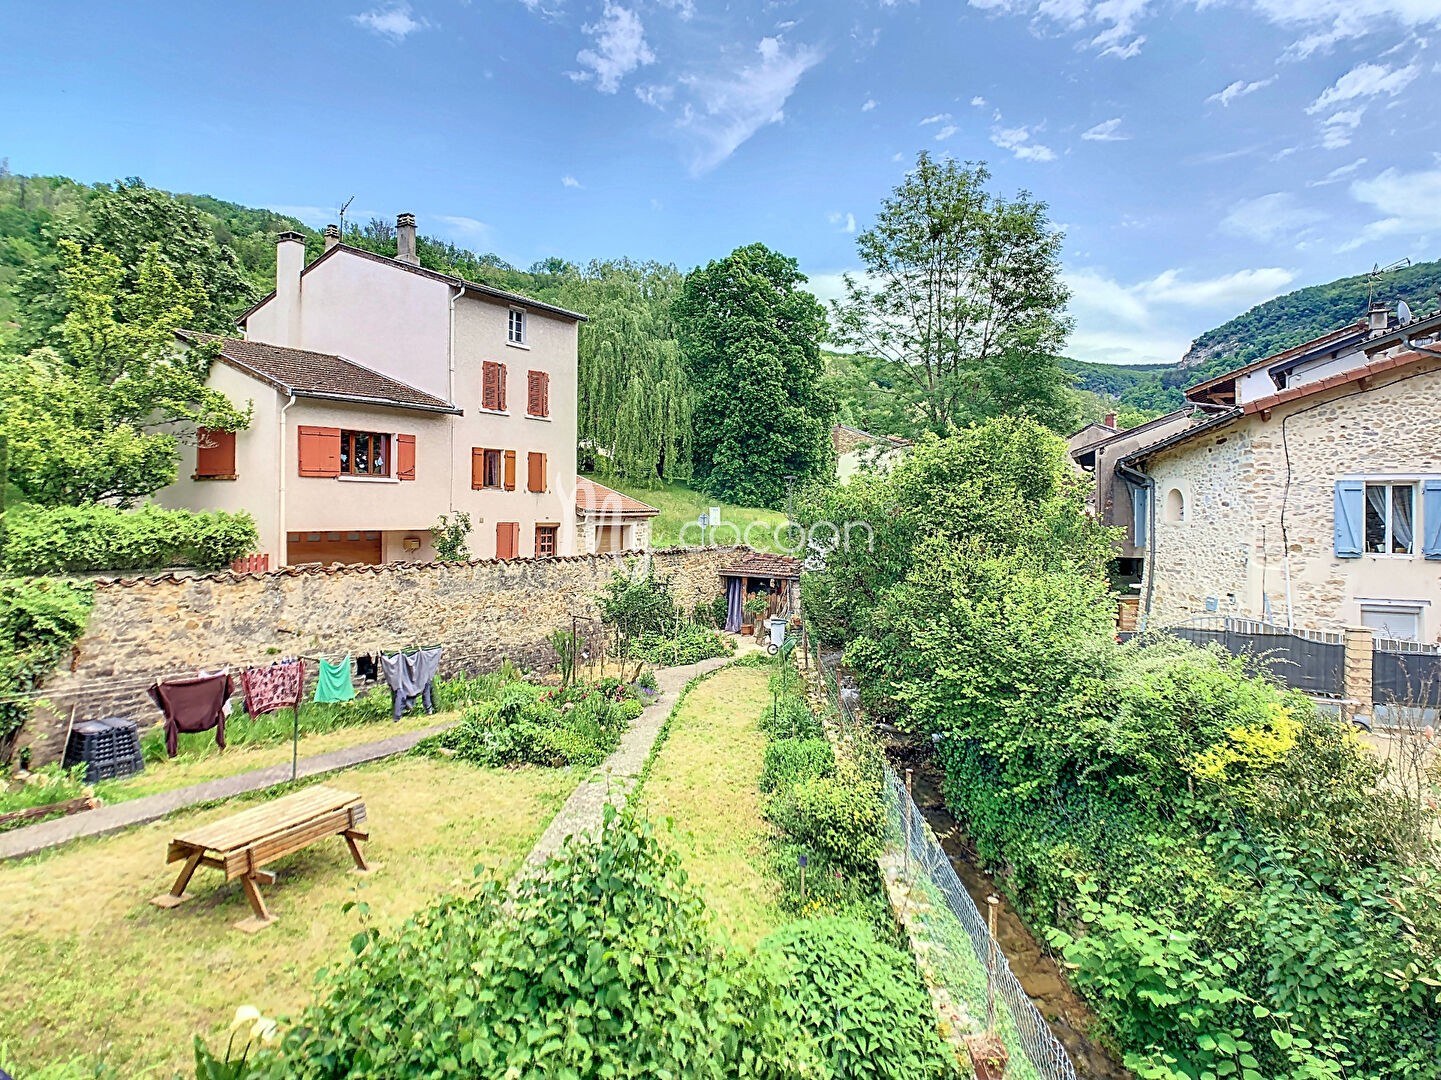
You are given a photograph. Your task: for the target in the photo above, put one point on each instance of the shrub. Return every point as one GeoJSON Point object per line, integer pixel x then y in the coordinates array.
{"type": "Point", "coordinates": [48, 784]}
{"type": "Point", "coordinates": [637, 606]}
{"type": "Point", "coordinates": [789, 761]}
{"type": "Point", "coordinates": [791, 718]}
{"type": "Point", "coordinates": [839, 816]}
{"type": "Point", "coordinates": [39, 621]}
{"type": "Point", "coordinates": [80, 539]}
{"type": "Point", "coordinates": [860, 1003]}
{"type": "Point", "coordinates": [685, 644]}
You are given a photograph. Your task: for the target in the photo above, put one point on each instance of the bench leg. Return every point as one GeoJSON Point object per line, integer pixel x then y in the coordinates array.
{"type": "Point", "coordinates": [176, 895]}
{"type": "Point", "coordinates": [262, 917]}
{"type": "Point", "coordinates": [351, 838]}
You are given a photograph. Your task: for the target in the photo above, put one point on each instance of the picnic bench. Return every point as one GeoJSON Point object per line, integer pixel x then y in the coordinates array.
{"type": "Point", "coordinates": [242, 844]}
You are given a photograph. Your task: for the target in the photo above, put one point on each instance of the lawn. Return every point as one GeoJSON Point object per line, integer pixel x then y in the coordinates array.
{"type": "Point", "coordinates": [680, 506]}
{"type": "Point", "coordinates": [704, 780]}
{"type": "Point", "coordinates": [93, 971]}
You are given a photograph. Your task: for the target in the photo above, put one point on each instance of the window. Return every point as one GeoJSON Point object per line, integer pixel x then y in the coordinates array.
{"type": "Point", "coordinates": [1400, 621]}
{"type": "Point", "coordinates": [492, 386]}
{"type": "Point", "coordinates": [214, 455]}
{"type": "Point", "coordinates": [1390, 519]}
{"type": "Point", "coordinates": [492, 468]}
{"type": "Point", "coordinates": [545, 540]}
{"type": "Point", "coordinates": [364, 453]}
{"type": "Point", "coordinates": [537, 393]}
{"type": "Point", "coordinates": [1175, 506]}
{"type": "Point", "coordinates": [535, 472]}
{"type": "Point", "coordinates": [516, 333]}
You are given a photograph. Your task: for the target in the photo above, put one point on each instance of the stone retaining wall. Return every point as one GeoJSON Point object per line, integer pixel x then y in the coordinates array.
{"type": "Point", "coordinates": [481, 612]}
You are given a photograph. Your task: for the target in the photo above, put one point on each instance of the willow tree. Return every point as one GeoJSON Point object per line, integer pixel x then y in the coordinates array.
{"type": "Point", "coordinates": [635, 400]}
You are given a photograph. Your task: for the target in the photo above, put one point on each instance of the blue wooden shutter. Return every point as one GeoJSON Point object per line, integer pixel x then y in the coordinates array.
{"type": "Point", "coordinates": [1140, 515]}
{"type": "Point", "coordinates": [1431, 517]}
{"type": "Point", "coordinates": [1350, 518]}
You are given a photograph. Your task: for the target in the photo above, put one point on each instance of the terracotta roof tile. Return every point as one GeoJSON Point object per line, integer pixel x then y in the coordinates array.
{"type": "Point", "coordinates": [315, 374]}
{"type": "Point", "coordinates": [597, 499]}
{"type": "Point", "coordinates": [762, 564]}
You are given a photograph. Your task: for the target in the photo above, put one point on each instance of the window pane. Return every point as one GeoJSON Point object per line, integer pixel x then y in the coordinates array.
{"type": "Point", "coordinates": [345, 437]}
{"type": "Point", "coordinates": [1402, 535]}
{"type": "Point", "coordinates": [362, 453]}
{"type": "Point", "coordinates": [1376, 518]}
{"type": "Point", "coordinates": [381, 453]}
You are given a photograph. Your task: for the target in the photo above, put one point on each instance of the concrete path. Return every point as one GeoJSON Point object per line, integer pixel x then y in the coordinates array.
{"type": "Point", "coordinates": [616, 777]}
{"type": "Point", "coordinates": [113, 818]}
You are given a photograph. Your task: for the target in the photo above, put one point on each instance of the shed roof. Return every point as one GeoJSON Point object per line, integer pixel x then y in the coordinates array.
{"type": "Point", "coordinates": [762, 564]}
{"type": "Point", "coordinates": [597, 500]}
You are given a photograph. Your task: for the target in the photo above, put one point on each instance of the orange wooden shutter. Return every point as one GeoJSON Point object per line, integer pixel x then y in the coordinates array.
{"type": "Point", "coordinates": [501, 406]}
{"type": "Point", "coordinates": [214, 453]}
{"type": "Point", "coordinates": [405, 457]}
{"type": "Point", "coordinates": [507, 539]}
{"type": "Point", "coordinates": [544, 394]}
{"type": "Point", "coordinates": [535, 472]}
{"type": "Point", "coordinates": [489, 385]}
{"type": "Point", "coordinates": [535, 393]}
{"type": "Point", "coordinates": [319, 451]}
{"type": "Point", "coordinates": [510, 470]}
{"type": "Point", "coordinates": [477, 467]}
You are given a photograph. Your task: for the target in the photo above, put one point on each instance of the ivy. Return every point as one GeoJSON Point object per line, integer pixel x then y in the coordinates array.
{"type": "Point", "coordinates": [40, 620]}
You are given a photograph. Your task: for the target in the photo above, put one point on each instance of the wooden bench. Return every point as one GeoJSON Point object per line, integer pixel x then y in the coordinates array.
{"type": "Point", "coordinates": [241, 845]}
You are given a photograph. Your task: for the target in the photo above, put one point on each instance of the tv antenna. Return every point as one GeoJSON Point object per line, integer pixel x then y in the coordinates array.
{"type": "Point", "coordinates": [1375, 275]}
{"type": "Point", "coordinates": [346, 206]}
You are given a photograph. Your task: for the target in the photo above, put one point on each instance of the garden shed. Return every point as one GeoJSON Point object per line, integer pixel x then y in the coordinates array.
{"type": "Point", "coordinates": [757, 573]}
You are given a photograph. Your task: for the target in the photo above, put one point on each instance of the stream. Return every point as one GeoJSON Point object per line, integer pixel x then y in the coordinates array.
{"type": "Point", "coordinates": [1070, 1018]}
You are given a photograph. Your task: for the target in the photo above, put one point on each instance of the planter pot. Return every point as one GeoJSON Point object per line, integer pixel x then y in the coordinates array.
{"type": "Point", "coordinates": [988, 1056]}
{"type": "Point", "coordinates": [747, 629]}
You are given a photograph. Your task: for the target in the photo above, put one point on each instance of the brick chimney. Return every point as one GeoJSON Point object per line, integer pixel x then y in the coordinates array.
{"type": "Point", "coordinates": [289, 262]}
{"type": "Point", "coordinates": [1110, 421]}
{"type": "Point", "coordinates": [1379, 317]}
{"type": "Point", "coordinates": [332, 236]}
{"type": "Point", "coordinates": [405, 240]}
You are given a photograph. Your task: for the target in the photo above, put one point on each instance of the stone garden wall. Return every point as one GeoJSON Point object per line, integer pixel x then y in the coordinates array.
{"type": "Point", "coordinates": [481, 612]}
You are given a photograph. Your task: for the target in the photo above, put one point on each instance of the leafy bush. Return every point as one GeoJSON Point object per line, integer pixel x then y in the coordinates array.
{"type": "Point", "coordinates": [80, 539]}
{"type": "Point", "coordinates": [790, 761]}
{"type": "Point", "coordinates": [791, 718]}
{"type": "Point", "coordinates": [840, 816]}
{"type": "Point", "coordinates": [638, 606]}
{"type": "Point", "coordinates": [39, 621]}
{"type": "Point", "coordinates": [47, 784]}
{"type": "Point", "coordinates": [859, 1002]}
{"type": "Point", "coordinates": [685, 644]}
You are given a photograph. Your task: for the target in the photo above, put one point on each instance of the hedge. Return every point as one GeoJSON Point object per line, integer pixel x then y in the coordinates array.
{"type": "Point", "coordinates": [77, 539]}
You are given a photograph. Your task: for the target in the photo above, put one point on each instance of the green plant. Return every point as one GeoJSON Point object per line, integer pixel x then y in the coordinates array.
{"type": "Point", "coordinates": [258, 1031]}
{"type": "Point", "coordinates": [685, 644]}
{"type": "Point", "coordinates": [564, 645]}
{"type": "Point", "coordinates": [790, 761]}
{"type": "Point", "coordinates": [450, 537]}
{"type": "Point", "coordinates": [638, 606]}
{"type": "Point", "coordinates": [840, 816]}
{"type": "Point", "coordinates": [791, 718]}
{"type": "Point", "coordinates": [79, 539]}
{"type": "Point", "coordinates": [755, 606]}
{"type": "Point", "coordinates": [46, 785]}
{"type": "Point", "coordinates": [39, 621]}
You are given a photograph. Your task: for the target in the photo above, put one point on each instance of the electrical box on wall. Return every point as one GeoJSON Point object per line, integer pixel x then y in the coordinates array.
{"type": "Point", "coordinates": [1212, 604]}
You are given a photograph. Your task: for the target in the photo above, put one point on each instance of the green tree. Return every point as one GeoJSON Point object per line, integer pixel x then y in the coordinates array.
{"type": "Point", "coordinates": [101, 417]}
{"type": "Point", "coordinates": [962, 298]}
{"type": "Point", "coordinates": [750, 339]}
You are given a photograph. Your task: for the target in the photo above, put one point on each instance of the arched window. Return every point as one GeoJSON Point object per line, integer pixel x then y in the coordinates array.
{"type": "Point", "coordinates": [1175, 506]}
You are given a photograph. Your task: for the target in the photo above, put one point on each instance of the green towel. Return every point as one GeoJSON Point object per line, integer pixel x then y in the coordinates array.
{"type": "Point", "coordinates": [334, 682]}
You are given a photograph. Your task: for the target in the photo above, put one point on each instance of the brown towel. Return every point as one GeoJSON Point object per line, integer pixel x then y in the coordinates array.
{"type": "Point", "coordinates": [192, 705]}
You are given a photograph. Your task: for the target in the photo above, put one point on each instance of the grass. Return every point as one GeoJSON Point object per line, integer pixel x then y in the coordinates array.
{"type": "Point", "coordinates": [680, 505]}
{"type": "Point", "coordinates": [704, 780]}
{"type": "Point", "coordinates": [94, 972]}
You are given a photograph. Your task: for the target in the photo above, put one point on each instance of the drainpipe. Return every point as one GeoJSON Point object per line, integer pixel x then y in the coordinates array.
{"type": "Point", "coordinates": [282, 552]}
{"type": "Point", "coordinates": [1149, 483]}
{"type": "Point", "coordinates": [450, 384]}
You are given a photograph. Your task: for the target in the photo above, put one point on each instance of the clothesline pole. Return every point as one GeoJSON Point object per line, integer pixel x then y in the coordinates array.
{"type": "Point", "coordinates": [295, 743]}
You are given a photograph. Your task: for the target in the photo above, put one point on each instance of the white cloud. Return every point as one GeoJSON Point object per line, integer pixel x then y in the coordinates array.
{"type": "Point", "coordinates": [1338, 173]}
{"type": "Point", "coordinates": [1105, 131]}
{"type": "Point", "coordinates": [938, 118]}
{"type": "Point", "coordinates": [684, 8]}
{"type": "Point", "coordinates": [620, 48]}
{"type": "Point", "coordinates": [1277, 216]}
{"type": "Point", "coordinates": [656, 95]}
{"type": "Point", "coordinates": [869, 105]}
{"type": "Point", "coordinates": [845, 222]}
{"type": "Point", "coordinates": [394, 22]}
{"type": "Point", "coordinates": [1126, 51]}
{"type": "Point", "coordinates": [465, 227]}
{"type": "Point", "coordinates": [731, 107]}
{"type": "Point", "coordinates": [569, 181]}
{"type": "Point", "coordinates": [1239, 89]}
{"type": "Point", "coordinates": [978, 101]}
{"type": "Point", "coordinates": [1018, 141]}
{"type": "Point", "coordinates": [1411, 202]}
{"type": "Point", "coordinates": [946, 132]}
{"type": "Point", "coordinates": [1109, 25]}
{"type": "Point", "coordinates": [1336, 129]}
{"type": "Point", "coordinates": [1365, 81]}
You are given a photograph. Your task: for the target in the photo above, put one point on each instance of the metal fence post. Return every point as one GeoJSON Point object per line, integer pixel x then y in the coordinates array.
{"type": "Point", "coordinates": [910, 811]}
{"type": "Point", "coordinates": [992, 902]}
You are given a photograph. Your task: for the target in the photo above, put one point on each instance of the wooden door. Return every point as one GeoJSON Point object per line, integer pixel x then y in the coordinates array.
{"type": "Point", "coordinates": [609, 538]}
{"type": "Point", "coordinates": [507, 539]}
{"type": "Point", "coordinates": [334, 547]}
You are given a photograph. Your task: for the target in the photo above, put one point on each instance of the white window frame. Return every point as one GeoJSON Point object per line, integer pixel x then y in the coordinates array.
{"type": "Point", "coordinates": [521, 316]}
{"type": "Point", "coordinates": [1392, 480]}
{"type": "Point", "coordinates": [1381, 609]}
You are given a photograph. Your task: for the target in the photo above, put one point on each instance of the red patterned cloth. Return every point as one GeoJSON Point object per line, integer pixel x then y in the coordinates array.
{"type": "Point", "coordinates": [278, 686]}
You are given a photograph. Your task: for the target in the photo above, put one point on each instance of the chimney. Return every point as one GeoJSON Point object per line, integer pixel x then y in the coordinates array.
{"type": "Point", "coordinates": [332, 236]}
{"type": "Point", "coordinates": [405, 240]}
{"type": "Point", "coordinates": [1110, 420]}
{"type": "Point", "coordinates": [1379, 317]}
{"type": "Point", "coordinates": [289, 262]}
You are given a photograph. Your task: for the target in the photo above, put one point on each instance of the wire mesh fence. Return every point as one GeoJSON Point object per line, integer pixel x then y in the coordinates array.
{"type": "Point", "coordinates": [960, 952]}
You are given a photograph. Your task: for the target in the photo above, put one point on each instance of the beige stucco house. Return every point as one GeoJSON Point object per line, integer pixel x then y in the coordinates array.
{"type": "Point", "coordinates": [856, 450]}
{"type": "Point", "coordinates": [1310, 494]}
{"type": "Point", "coordinates": [384, 395]}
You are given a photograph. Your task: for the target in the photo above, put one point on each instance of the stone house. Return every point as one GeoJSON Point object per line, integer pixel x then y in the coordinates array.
{"type": "Point", "coordinates": [1306, 489]}
{"type": "Point", "coordinates": [608, 521]}
{"type": "Point", "coordinates": [385, 394]}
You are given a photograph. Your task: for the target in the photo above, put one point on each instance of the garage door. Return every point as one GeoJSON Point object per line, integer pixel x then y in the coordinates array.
{"type": "Point", "coordinates": [333, 547]}
{"type": "Point", "coordinates": [609, 538]}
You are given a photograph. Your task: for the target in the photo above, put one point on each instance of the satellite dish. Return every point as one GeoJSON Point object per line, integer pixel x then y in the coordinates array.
{"type": "Point", "coordinates": [1403, 313]}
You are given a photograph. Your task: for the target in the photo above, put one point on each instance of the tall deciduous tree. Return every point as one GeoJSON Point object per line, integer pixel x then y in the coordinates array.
{"type": "Point", "coordinates": [962, 298]}
{"type": "Point", "coordinates": [750, 338]}
{"type": "Point", "coordinates": [101, 416]}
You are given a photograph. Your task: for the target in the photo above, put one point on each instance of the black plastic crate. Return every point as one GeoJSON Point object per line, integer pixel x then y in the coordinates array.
{"type": "Point", "coordinates": [108, 748]}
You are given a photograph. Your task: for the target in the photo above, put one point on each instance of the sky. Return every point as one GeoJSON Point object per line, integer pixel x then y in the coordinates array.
{"type": "Point", "coordinates": [1200, 155]}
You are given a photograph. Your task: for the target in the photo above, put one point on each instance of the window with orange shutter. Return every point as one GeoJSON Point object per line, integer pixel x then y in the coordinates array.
{"type": "Point", "coordinates": [535, 472]}
{"type": "Point", "coordinates": [510, 470]}
{"type": "Point", "coordinates": [537, 393]}
{"type": "Point", "coordinates": [507, 539]}
{"type": "Point", "coordinates": [319, 451]}
{"type": "Point", "coordinates": [492, 386]}
{"type": "Point", "coordinates": [405, 457]}
{"type": "Point", "coordinates": [214, 455]}
{"type": "Point", "coordinates": [485, 468]}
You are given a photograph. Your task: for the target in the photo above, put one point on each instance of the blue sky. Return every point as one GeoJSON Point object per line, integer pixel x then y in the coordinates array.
{"type": "Point", "coordinates": [1201, 155]}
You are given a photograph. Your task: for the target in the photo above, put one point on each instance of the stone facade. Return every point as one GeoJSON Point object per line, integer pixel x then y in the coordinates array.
{"type": "Point", "coordinates": [1245, 513]}
{"type": "Point", "coordinates": [481, 612]}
